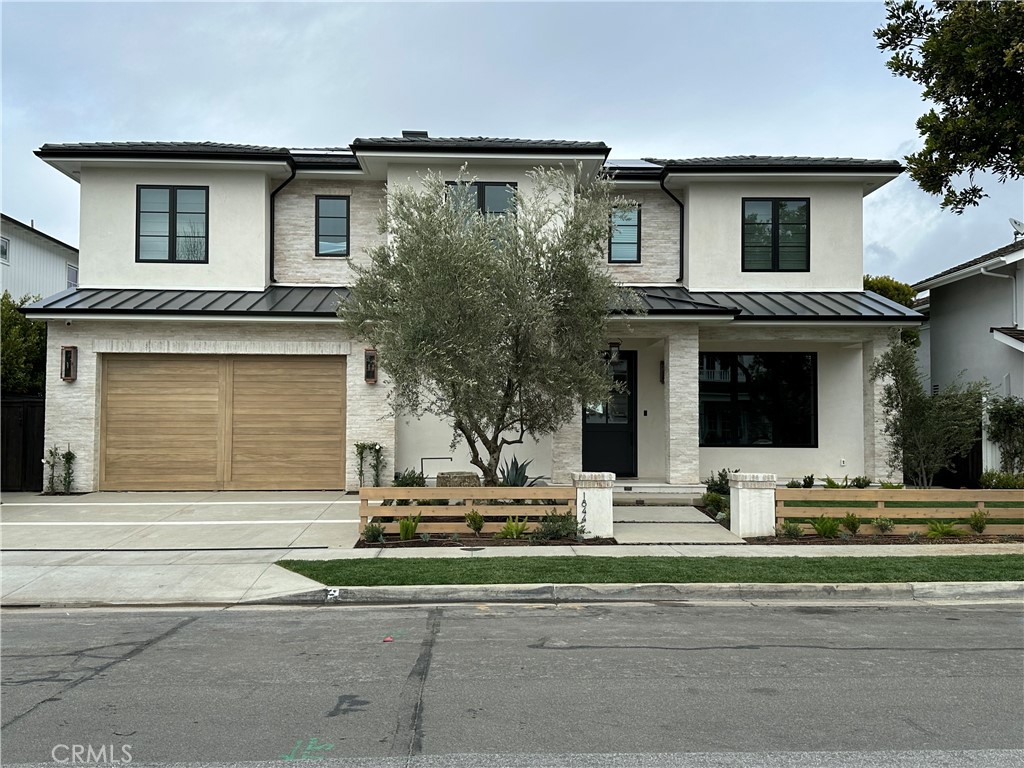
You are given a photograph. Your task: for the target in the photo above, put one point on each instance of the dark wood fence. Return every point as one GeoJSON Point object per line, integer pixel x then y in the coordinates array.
{"type": "Point", "coordinates": [21, 443]}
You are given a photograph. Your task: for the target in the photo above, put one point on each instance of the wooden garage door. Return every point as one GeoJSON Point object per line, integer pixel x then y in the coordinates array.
{"type": "Point", "coordinates": [212, 422]}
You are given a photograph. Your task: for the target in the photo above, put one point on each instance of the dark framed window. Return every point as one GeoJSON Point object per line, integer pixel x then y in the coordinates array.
{"type": "Point", "coordinates": [72, 274]}
{"type": "Point", "coordinates": [332, 225]}
{"type": "Point", "coordinates": [5, 244]}
{"type": "Point", "coordinates": [491, 197]}
{"type": "Point", "coordinates": [172, 224]}
{"type": "Point", "coordinates": [776, 234]}
{"type": "Point", "coordinates": [759, 399]}
{"type": "Point", "coordinates": [624, 238]}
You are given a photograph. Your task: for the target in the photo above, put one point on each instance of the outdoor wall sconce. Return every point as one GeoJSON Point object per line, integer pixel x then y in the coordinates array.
{"type": "Point", "coordinates": [370, 365]}
{"type": "Point", "coordinates": [613, 349]}
{"type": "Point", "coordinates": [69, 363]}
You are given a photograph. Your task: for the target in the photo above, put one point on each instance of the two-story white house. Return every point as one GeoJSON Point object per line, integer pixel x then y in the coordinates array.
{"type": "Point", "coordinates": [209, 355]}
{"type": "Point", "coordinates": [33, 263]}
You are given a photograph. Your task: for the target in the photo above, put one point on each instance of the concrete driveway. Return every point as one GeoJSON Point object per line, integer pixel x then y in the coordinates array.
{"type": "Point", "coordinates": [165, 547]}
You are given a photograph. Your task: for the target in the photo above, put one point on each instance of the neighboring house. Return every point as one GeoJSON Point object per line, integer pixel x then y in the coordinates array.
{"type": "Point", "coordinates": [975, 326]}
{"type": "Point", "coordinates": [32, 263]}
{"type": "Point", "coordinates": [209, 355]}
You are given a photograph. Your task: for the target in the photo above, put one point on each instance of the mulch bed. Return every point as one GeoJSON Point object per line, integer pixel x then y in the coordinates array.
{"type": "Point", "coordinates": [391, 541]}
{"type": "Point", "coordinates": [882, 540]}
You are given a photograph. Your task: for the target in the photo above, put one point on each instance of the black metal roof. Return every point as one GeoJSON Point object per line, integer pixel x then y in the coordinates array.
{"type": "Point", "coordinates": [277, 300]}
{"type": "Point", "coordinates": [180, 149]}
{"type": "Point", "coordinates": [322, 301]}
{"type": "Point", "coordinates": [1006, 250]}
{"type": "Point", "coordinates": [420, 143]}
{"type": "Point", "coordinates": [770, 163]}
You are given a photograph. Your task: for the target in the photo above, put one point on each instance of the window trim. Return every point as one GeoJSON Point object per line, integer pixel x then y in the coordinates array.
{"type": "Point", "coordinates": [815, 389]}
{"type": "Point", "coordinates": [479, 187]}
{"type": "Point", "coordinates": [775, 233]}
{"type": "Point", "coordinates": [639, 229]}
{"type": "Point", "coordinates": [172, 224]}
{"type": "Point", "coordinates": [5, 251]}
{"type": "Point", "coordinates": [67, 267]}
{"type": "Point", "coordinates": [348, 227]}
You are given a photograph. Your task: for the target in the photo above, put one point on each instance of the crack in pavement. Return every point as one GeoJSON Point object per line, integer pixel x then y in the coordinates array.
{"type": "Point", "coordinates": [408, 737]}
{"type": "Point", "coordinates": [136, 649]}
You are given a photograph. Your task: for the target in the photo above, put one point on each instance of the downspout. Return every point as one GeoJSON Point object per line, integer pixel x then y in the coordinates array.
{"type": "Point", "coordinates": [682, 216]}
{"type": "Point", "coordinates": [1013, 277]}
{"type": "Point", "coordinates": [273, 195]}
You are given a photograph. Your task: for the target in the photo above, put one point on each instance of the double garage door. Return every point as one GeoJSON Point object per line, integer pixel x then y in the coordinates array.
{"type": "Point", "coordinates": [222, 422]}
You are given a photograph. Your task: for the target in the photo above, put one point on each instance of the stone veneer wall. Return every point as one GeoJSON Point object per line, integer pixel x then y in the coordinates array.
{"type": "Point", "coordinates": [295, 230]}
{"type": "Point", "coordinates": [72, 409]}
{"type": "Point", "coordinates": [877, 445]}
{"type": "Point", "coordinates": [659, 240]}
{"type": "Point", "coordinates": [682, 422]}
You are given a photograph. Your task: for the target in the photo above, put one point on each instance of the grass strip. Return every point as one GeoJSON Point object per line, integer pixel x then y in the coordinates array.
{"type": "Point", "coordinates": [635, 570]}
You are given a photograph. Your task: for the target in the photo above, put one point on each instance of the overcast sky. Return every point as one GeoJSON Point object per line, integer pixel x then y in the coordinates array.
{"type": "Point", "coordinates": [660, 79]}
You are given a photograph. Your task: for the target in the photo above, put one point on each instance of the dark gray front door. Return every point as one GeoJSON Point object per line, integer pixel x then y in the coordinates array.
{"type": "Point", "coordinates": [609, 428]}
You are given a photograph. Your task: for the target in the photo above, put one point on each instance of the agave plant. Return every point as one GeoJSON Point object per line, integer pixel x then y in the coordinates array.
{"type": "Point", "coordinates": [514, 474]}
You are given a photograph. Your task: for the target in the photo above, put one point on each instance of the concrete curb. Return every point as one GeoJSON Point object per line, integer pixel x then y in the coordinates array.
{"type": "Point", "coordinates": [588, 593]}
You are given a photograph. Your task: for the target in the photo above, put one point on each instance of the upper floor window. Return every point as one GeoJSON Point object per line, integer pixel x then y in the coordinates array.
{"type": "Point", "coordinates": [4, 245]}
{"type": "Point", "coordinates": [490, 197]}
{"type": "Point", "coordinates": [172, 224]}
{"type": "Point", "coordinates": [624, 241]}
{"type": "Point", "coordinates": [332, 225]}
{"type": "Point", "coordinates": [72, 275]}
{"type": "Point", "coordinates": [776, 235]}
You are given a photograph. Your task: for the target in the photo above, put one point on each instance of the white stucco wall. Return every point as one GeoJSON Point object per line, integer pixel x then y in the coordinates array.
{"type": "Point", "coordinates": [72, 408]}
{"type": "Point", "coordinates": [714, 237]}
{"type": "Point", "coordinates": [238, 227]}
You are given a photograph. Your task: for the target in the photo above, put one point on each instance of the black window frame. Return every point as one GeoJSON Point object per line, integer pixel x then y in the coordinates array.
{"type": "Point", "coordinates": [775, 233]}
{"type": "Point", "coordinates": [639, 230]}
{"type": "Point", "coordinates": [777, 409]}
{"type": "Point", "coordinates": [172, 224]}
{"type": "Point", "coordinates": [480, 186]}
{"type": "Point", "coordinates": [348, 227]}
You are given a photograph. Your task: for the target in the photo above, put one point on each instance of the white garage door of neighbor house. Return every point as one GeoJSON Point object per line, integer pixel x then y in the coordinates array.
{"type": "Point", "coordinates": [222, 422]}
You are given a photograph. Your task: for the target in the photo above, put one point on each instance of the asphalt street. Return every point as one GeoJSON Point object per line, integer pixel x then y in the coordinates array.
{"type": "Point", "coordinates": [667, 684]}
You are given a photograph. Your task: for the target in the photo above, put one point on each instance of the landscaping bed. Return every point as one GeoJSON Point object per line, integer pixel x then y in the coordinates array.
{"type": "Point", "coordinates": [476, 542]}
{"type": "Point", "coordinates": [888, 539]}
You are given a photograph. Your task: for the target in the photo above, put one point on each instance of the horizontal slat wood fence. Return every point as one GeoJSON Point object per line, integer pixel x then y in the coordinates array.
{"type": "Point", "coordinates": [931, 504]}
{"type": "Point", "coordinates": [456, 502]}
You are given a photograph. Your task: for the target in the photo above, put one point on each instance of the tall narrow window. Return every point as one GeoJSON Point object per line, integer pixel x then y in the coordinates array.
{"type": "Point", "coordinates": [4, 245]}
{"type": "Point", "coordinates": [776, 235]}
{"type": "Point", "coordinates": [624, 240]}
{"type": "Point", "coordinates": [172, 224]}
{"type": "Point", "coordinates": [332, 225]}
{"type": "Point", "coordinates": [72, 275]}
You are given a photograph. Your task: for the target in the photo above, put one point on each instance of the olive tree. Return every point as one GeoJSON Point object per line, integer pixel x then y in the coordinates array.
{"type": "Point", "coordinates": [492, 322]}
{"type": "Point", "coordinates": [926, 432]}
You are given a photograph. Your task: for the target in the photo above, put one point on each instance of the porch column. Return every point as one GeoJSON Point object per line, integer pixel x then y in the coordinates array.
{"type": "Point", "coordinates": [682, 459]}
{"type": "Point", "coordinates": [567, 449]}
{"type": "Point", "coordinates": [876, 443]}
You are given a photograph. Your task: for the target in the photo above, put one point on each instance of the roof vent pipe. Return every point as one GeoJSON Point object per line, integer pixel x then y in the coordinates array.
{"type": "Point", "coordinates": [414, 135]}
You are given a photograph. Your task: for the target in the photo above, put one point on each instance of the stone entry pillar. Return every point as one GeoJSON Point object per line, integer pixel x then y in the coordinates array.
{"type": "Point", "coordinates": [682, 417]}
{"type": "Point", "coordinates": [752, 504]}
{"type": "Point", "coordinates": [596, 489]}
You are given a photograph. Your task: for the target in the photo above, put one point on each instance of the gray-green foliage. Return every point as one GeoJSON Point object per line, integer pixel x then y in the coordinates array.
{"type": "Point", "coordinates": [22, 349]}
{"type": "Point", "coordinates": [926, 432]}
{"type": "Point", "coordinates": [493, 323]}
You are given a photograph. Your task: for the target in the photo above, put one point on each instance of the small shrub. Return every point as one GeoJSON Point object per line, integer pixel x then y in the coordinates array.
{"type": "Point", "coordinates": [714, 502]}
{"type": "Point", "coordinates": [407, 527]}
{"type": "Point", "coordinates": [514, 528]}
{"type": "Point", "coordinates": [883, 524]}
{"type": "Point", "coordinates": [791, 529]}
{"type": "Point", "coordinates": [914, 537]}
{"type": "Point", "coordinates": [994, 479]}
{"type": "Point", "coordinates": [851, 522]}
{"type": "Point", "coordinates": [794, 484]}
{"type": "Point", "coordinates": [844, 536]}
{"type": "Point", "coordinates": [556, 525]}
{"type": "Point", "coordinates": [475, 521]}
{"type": "Point", "coordinates": [455, 538]}
{"type": "Point", "coordinates": [719, 484]}
{"type": "Point", "coordinates": [723, 517]}
{"type": "Point", "coordinates": [425, 536]}
{"type": "Point", "coordinates": [938, 529]}
{"type": "Point", "coordinates": [808, 481]}
{"type": "Point", "coordinates": [979, 520]}
{"type": "Point", "coordinates": [826, 527]}
{"type": "Point", "coordinates": [830, 483]}
{"type": "Point", "coordinates": [410, 478]}
{"type": "Point", "coordinates": [67, 477]}
{"type": "Point", "coordinates": [891, 486]}
{"type": "Point", "coordinates": [373, 532]}
{"type": "Point", "coordinates": [860, 481]}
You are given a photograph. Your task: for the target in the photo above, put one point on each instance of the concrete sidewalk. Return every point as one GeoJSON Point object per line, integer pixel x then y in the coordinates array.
{"type": "Point", "coordinates": [220, 548]}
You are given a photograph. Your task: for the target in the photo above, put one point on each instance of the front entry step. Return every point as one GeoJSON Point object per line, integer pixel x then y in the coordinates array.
{"type": "Point", "coordinates": [669, 525]}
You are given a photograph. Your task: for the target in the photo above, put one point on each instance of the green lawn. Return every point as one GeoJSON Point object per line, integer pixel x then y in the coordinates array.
{"type": "Point", "coordinates": [575, 570]}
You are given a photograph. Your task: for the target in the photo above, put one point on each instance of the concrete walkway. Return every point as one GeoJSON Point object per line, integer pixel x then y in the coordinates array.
{"type": "Point", "coordinates": [168, 548]}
